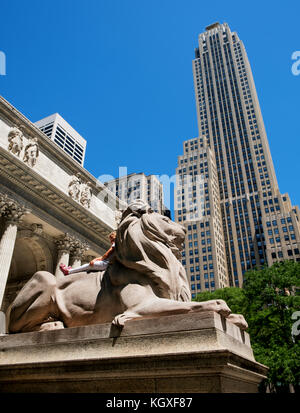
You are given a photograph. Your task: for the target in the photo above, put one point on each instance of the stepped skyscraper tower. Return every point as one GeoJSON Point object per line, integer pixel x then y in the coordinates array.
{"type": "Point", "coordinates": [259, 225]}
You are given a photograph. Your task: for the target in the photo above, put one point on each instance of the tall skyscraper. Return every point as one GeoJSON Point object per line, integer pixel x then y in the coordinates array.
{"type": "Point", "coordinates": [197, 206]}
{"type": "Point", "coordinates": [60, 132]}
{"type": "Point", "coordinates": [260, 226]}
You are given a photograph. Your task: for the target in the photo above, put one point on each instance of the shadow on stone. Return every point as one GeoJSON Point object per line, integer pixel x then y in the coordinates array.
{"type": "Point", "coordinates": [115, 332]}
{"type": "Point", "coordinates": [224, 324]}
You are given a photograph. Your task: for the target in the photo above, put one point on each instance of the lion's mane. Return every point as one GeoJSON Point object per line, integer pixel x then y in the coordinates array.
{"type": "Point", "coordinates": [143, 246]}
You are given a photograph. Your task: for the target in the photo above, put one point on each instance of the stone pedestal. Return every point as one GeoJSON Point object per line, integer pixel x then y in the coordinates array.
{"type": "Point", "coordinates": [187, 353]}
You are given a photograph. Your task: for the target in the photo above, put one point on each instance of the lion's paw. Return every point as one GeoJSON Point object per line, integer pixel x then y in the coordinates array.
{"type": "Point", "coordinates": [52, 325]}
{"type": "Point", "coordinates": [222, 308]}
{"type": "Point", "coordinates": [238, 320]}
{"type": "Point", "coordinates": [121, 319]}
{"type": "Point", "coordinates": [219, 306]}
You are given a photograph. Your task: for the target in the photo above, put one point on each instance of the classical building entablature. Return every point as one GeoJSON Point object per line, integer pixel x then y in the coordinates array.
{"type": "Point", "coordinates": [46, 178]}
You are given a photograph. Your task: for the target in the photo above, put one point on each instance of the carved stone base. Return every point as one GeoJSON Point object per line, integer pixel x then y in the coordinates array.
{"type": "Point", "coordinates": [188, 353]}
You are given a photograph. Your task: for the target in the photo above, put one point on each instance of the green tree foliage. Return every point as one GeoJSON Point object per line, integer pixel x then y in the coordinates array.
{"type": "Point", "coordinates": [268, 301]}
{"type": "Point", "coordinates": [234, 298]}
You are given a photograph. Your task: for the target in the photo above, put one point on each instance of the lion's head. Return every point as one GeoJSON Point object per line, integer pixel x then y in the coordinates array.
{"type": "Point", "coordinates": [150, 243]}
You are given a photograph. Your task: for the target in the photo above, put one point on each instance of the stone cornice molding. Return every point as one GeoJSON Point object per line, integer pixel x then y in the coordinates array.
{"type": "Point", "coordinates": [31, 131]}
{"type": "Point", "coordinates": [43, 192]}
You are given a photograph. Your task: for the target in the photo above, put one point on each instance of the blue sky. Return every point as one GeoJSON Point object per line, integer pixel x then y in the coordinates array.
{"type": "Point", "coordinates": [120, 72]}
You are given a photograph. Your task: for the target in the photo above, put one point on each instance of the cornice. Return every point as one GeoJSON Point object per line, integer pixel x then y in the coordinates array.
{"type": "Point", "coordinates": [16, 118]}
{"type": "Point", "coordinates": [41, 193]}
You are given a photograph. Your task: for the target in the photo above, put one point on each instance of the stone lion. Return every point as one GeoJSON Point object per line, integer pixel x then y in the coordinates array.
{"type": "Point", "coordinates": [144, 280]}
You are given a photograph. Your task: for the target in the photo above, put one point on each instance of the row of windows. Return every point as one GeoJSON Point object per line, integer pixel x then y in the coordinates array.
{"type": "Point", "coordinates": [205, 275]}
{"type": "Point", "coordinates": [65, 141]}
{"type": "Point", "coordinates": [282, 220]}
{"type": "Point", "coordinates": [289, 252]}
{"type": "Point", "coordinates": [206, 284]}
{"type": "Point", "coordinates": [47, 129]}
{"type": "Point", "coordinates": [194, 158]}
{"type": "Point", "coordinates": [290, 237]}
{"type": "Point", "coordinates": [284, 229]}
{"type": "Point", "coordinates": [201, 165]}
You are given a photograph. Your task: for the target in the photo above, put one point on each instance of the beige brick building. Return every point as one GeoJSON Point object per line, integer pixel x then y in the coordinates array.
{"type": "Point", "coordinates": [138, 186]}
{"type": "Point", "coordinates": [260, 226]}
{"type": "Point", "coordinates": [197, 206]}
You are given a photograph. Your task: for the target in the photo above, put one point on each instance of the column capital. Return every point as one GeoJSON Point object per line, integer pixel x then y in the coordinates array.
{"type": "Point", "coordinates": [64, 242]}
{"type": "Point", "coordinates": [12, 211]}
{"type": "Point", "coordinates": [79, 248]}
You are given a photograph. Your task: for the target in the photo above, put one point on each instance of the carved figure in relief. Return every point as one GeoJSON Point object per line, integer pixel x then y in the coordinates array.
{"type": "Point", "coordinates": [15, 139]}
{"type": "Point", "coordinates": [31, 152]}
{"type": "Point", "coordinates": [86, 194]}
{"type": "Point", "coordinates": [74, 187]}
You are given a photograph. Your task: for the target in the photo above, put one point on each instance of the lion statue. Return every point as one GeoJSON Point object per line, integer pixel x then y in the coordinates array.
{"type": "Point", "coordinates": [145, 279]}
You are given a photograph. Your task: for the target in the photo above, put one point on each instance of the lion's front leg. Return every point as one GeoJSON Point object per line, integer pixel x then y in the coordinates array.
{"type": "Point", "coordinates": [121, 319]}
{"type": "Point", "coordinates": [140, 301]}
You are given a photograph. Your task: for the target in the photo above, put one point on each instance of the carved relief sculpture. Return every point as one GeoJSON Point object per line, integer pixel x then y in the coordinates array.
{"type": "Point", "coordinates": [15, 139]}
{"type": "Point", "coordinates": [37, 229]}
{"type": "Point", "coordinates": [65, 242]}
{"type": "Point", "coordinates": [86, 194]}
{"type": "Point", "coordinates": [74, 187]}
{"type": "Point", "coordinates": [31, 152]}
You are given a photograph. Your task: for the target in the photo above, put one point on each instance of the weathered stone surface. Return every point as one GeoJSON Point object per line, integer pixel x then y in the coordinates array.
{"type": "Point", "coordinates": [178, 353]}
{"type": "Point", "coordinates": [145, 279]}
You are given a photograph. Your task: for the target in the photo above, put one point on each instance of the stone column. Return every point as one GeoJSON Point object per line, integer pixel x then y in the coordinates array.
{"type": "Point", "coordinates": [64, 245]}
{"type": "Point", "coordinates": [12, 212]}
{"type": "Point", "coordinates": [78, 251]}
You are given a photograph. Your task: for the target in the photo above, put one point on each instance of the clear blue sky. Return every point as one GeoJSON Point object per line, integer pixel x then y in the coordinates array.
{"type": "Point", "coordinates": [120, 72]}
